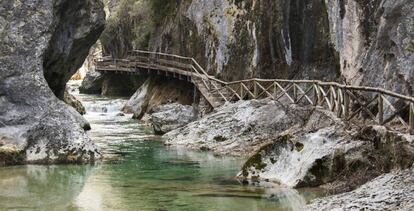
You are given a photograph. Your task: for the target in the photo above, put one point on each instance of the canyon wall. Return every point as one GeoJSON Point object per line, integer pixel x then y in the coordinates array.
{"type": "Point", "coordinates": [42, 44]}
{"type": "Point", "coordinates": [351, 41]}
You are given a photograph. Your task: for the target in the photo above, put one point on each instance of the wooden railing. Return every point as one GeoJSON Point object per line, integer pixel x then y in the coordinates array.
{"type": "Point", "coordinates": [356, 103]}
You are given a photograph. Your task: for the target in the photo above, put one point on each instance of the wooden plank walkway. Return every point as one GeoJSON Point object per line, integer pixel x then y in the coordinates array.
{"type": "Point", "coordinates": [351, 103]}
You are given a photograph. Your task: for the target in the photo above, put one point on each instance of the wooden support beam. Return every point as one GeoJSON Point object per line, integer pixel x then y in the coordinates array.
{"type": "Point", "coordinates": [241, 91]}
{"type": "Point", "coordinates": [346, 103]}
{"type": "Point", "coordinates": [255, 92]}
{"type": "Point", "coordinates": [332, 97]}
{"type": "Point", "coordinates": [274, 90]}
{"type": "Point", "coordinates": [304, 94]}
{"type": "Point", "coordinates": [339, 103]}
{"type": "Point", "coordinates": [395, 112]}
{"type": "Point", "coordinates": [380, 109]}
{"type": "Point", "coordinates": [315, 94]}
{"type": "Point", "coordinates": [295, 93]}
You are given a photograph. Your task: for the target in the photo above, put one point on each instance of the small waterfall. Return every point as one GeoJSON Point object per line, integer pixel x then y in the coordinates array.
{"type": "Point", "coordinates": [96, 105]}
{"type": "Point", "coordinates": [106, 107]}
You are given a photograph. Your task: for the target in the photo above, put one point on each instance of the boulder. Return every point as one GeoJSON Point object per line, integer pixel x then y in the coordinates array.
{"type": "Point", "coordinates": [241, 128]}
{"type": "Point", "coordinates": [92, 83]}
{"type": "Point", "coordinates": [75, 103]}
{"type": "Point", "coordinates": [135, 103]}
{"type": "Point", "coordinates": [157, 91]}
{"type": "Point", "coordinates": [166, 118]}
{"type": "Point", "coordinates": [42, 44]}
{"type": "Point", "coordinates": [339, 158]}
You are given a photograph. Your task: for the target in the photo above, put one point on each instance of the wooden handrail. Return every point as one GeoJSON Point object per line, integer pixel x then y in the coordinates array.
{"type": "Point", "coordinates": [336, 96]}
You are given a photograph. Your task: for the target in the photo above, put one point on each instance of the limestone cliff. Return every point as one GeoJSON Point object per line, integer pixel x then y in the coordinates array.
{"type": "Point", "coordinates": [356, 41]}
{"type": "Point", "coordinates": [42, 43]}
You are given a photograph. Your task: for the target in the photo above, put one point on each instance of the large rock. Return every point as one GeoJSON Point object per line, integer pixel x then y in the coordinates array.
{"type": "Point", "coordinates": [338, 157]}
{"type": "Point", "coordinates": [75, 103]}
{"type": "Point", "coordinates": [43, 42]}
{"type": "Point", "coordinates": [157, 91]}
{"type": "Point", "coordinates": [392, 191]}
{"type": "Point", "coordinates": [241, 128]}
{"type": "Point", "coordinates": [92, 83]}
{"type": "Point", "coordinates": [166, 118]}
{"type": "Point", "coordinates": [135, 104]}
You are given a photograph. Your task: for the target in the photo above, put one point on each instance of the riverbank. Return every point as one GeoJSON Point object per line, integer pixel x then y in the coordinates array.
{"type": "Point", "coordinates": [298, 147]}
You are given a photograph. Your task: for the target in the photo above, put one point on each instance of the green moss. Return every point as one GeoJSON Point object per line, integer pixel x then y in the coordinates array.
{"type": "Point", "coordinates": [10, 156]}
{"type": "Point", "coordinates": [256, 160]}
{"type": "Point", "coordinates": [299, 146]}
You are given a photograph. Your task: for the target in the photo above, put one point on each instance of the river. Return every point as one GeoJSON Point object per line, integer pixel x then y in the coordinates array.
{"type": "Point", "coordinates": [139, 173]}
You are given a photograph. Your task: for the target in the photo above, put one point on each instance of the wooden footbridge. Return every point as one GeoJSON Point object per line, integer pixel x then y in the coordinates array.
{"type": "Point", "coordinates": [356, 103]}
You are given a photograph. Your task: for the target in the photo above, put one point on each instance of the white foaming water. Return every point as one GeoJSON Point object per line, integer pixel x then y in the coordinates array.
{"type": "Point", "coordinates": [104, 106]}
{"type": "Point", "coordinates": [109, 124]}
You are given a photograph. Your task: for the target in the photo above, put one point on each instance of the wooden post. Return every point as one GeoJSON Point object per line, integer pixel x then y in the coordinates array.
{"type": "Point", "coordinates": [255, 93]}
{"type": "Point", "coordinates": [295, 92]}
{"type": "Point", "coordinates": [346, 103]}
{"type": "Point", "coordinates": [332, 97]}
{"type": "Point", "coordinates": [339, 103]}
{"type": "Point", "coordinates": [411, 122]}
{"type": "Point", "coordinates": [241, 91]}
{"type": "Point", "coordinates": [321, 98]}
{"type": "Point", "coordinates": [315, 95]}
{"type": "Point", "coordinates": [380, 109]}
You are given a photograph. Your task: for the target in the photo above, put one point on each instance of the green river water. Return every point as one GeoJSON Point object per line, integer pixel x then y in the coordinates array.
{"type": "Point", "coordinates": [144, 176]}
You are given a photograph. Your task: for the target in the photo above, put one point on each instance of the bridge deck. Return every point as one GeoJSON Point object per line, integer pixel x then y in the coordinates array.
{"type": "Point", "coordinates": [351, 103]}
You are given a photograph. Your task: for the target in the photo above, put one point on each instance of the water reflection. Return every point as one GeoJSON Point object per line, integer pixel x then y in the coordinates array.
{"type": "Point", "coordinates": [41, 187]}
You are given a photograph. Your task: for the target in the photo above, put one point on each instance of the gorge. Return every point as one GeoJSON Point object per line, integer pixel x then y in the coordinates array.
{"type": "Point", "coordinates": [207, 105]}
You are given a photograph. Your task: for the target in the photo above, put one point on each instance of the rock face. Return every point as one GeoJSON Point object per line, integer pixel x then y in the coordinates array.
{"type": "Point", "coordinates": [241, 128]}
{"type": "Point", "coordinates": [166, 118]}
{"type": "Point", "coordinates": [360, 42]}
{"type": "Point", "coordinates": [43, 42]}
{"type": "Point", "coordinates": [375, 42]}
{"type": "Point", "coordinates": [393, 191]}
{"type": "Point", "coordinates": [78, 25]}
{"type": "Point", "coordinates": [157, 91]}
{"type": "Point", "coordinates": [280, 38]}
